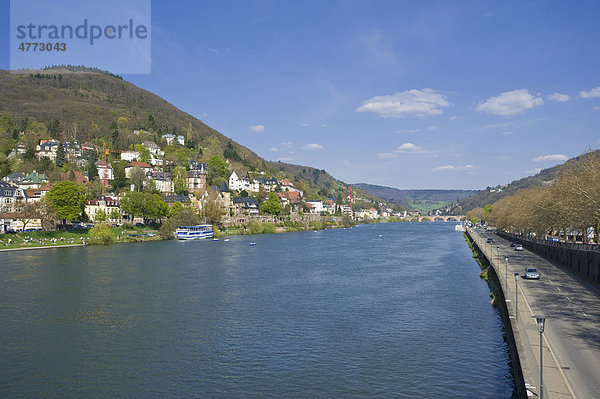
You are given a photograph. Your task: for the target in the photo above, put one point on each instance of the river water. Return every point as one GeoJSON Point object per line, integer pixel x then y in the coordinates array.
{"type": "Point", "coordinates": [389, 310]}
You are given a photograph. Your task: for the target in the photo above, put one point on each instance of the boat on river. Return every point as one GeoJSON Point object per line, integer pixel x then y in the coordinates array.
{"type": "Point", "coordinates": [194, 232]}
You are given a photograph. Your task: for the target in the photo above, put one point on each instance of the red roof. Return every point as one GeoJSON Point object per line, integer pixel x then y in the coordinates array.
{"type": "Point", "coordinates": [140, 164]}
{"type": "Point", "coordinates": [292, 196]}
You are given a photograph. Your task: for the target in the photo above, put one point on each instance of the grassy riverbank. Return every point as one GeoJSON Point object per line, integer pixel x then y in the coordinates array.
{"type": "Point", "coordinates": [37, 239]}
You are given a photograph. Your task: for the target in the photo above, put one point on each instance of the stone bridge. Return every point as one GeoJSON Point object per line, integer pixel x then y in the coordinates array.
{"type": "Point", "coordinates": [457, 218]}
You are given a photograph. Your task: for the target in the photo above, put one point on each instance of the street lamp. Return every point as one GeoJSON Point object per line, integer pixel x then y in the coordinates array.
{"type": "Point", "coordinates": [540, 327]}
{"type": "Point", "coordinates": [516, 274]}
{"type": "Point", "coordinates": [498, 253]}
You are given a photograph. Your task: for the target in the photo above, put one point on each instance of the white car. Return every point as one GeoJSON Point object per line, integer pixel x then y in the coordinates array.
{"type": "Point", "coordinates": [518, 247]}
{"type": "Point", "coordinates": [531, 273]}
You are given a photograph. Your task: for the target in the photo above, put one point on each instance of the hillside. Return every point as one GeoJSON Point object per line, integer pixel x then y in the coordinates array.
{"type": "Point", "coordinates": [421, 200]}
{"type": "Point", "coordinates": [89, 105]}
{"type": "Point", "coordinates": [493, 194]}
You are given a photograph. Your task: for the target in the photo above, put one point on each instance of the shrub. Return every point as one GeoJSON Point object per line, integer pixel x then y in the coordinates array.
{"type": "Point", "coordinates": [101, 234]}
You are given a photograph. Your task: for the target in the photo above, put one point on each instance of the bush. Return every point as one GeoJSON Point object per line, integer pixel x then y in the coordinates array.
{"type": "Point", "coordinates": [255, 227]}
{"type": "Point", "coordinates": [101, 234]}
{"type": "Point", "coordinates": [268, 228]}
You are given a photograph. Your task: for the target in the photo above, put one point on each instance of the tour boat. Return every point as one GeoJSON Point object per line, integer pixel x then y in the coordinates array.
{"type": "Point", "coordinates": [194, 232]}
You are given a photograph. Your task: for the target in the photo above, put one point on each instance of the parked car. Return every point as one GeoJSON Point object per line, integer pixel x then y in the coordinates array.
{"type": "Point", "coordinates": [513, 244]}
{"type": "Point", "coordinates": [531, 273]}
{"type": "Point", "coordinates": [518, 247]}
{"type": "Point", "coordinates": [489, 240]}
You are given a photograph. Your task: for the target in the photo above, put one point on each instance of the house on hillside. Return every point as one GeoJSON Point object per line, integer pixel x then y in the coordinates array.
{"type": "Point", "coordinates": [75, 176]}
{"type": "Point", "coordinates": [35, 194]}
{"type": "Point", "coordinates": [268, 184]}
{"type": "Point", "coordinates": [239, 181]}
{"type": "Point", "coordinates": [72, 150]}
{"type": "Point", "coordinates": [162, 180]}
{"type": "Point", "coordinates": [130, 155]}
{"type": "Point", "coordinates": [142, 165]}
{"type": "Point", "coordinates": [198, 166]}
{"type": "Point", "coordinates": [316, 207]}
{"type": "Point", "coordinates": [245, 205]}
{"type": "Point", "coordinates": [105, 170]}
{"type": "Point", "coordinates": [154, 148]}
{"type": "Point", "coordinates": [33, 180]}
{"type": "Point", "coordinates": [196, 180]}
{"type": "Point", "coordinates": [47, 149]}
{"type": "Point", "coordinates": [173, 139]}
{"type": "Point", "coordinates": [14, 178]}
{"type": "Point", "coordinates": [287, 185]}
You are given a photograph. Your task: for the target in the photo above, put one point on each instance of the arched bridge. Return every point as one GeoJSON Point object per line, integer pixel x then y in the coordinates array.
{"type": "Point", "coordinates": [457, 218]}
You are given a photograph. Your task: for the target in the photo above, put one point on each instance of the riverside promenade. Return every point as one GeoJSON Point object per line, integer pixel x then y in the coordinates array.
{"type": "Point", "coordinates": [571, 338]}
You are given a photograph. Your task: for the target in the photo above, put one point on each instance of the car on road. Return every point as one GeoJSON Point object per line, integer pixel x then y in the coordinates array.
{"type": "Point", "coordinates": [518, 247]}
{"type": "Point", "coordinates": [531, 273]}
{"type": "Point", "coordinates": [513, 244]}
{"type": "Point", "coordinates": [489, 240]}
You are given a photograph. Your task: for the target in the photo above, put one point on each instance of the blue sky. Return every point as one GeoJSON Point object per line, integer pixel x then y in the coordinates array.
{"type": "Point", "coordinates": [408, 94]}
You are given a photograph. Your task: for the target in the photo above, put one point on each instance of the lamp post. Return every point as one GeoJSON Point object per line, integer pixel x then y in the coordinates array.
{"type": "Point", "coordinates": [498, 253]}
{"type": "Point", "coordinates": [540, 327]}
{"type": "Point", "coordinates": [516, 274]}
{"type": "Point", "coordinates": [506, 271]}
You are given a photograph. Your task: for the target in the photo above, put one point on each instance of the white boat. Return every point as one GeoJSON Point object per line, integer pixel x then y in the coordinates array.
{"type": "Point", "coordinates": [194, 232]}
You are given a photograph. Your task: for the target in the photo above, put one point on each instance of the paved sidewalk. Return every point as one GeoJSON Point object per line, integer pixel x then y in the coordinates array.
{"type": "Point", "coordinates": [571, 340]}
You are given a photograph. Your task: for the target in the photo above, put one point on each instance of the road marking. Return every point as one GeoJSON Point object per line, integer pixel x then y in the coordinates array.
{"type": "Point", "coordinates": [585, 314]}
{"type": "Point", "coordinates": [569, 299]}
{"type": "Point", "coordinates": [558, 288]}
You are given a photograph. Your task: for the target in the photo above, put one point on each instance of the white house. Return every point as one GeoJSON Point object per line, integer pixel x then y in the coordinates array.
{"type": "Point", "coordinates": [171, 138]}
{"type": "Point", "coordinates": [142, 165]}
{"type": "Point", "coordinates": [242, 182]}
{"type": "Point", "coordinates": [316, 206]}
{"type": "Point", "coordinates": [105, 170]}
{"type": "Point", "coordinates": [129, 155]}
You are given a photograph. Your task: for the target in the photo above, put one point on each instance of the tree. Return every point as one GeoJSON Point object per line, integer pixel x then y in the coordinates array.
{"type": "Point", "coordinates": [92, 170]}
{"type": "Point", "coordinates": [100, 216]}
{"type": "Point", "coordinates": [180, 180]}
{"type": "Point", "coordinates": [137, 178]}
{"type": "Point", "coordinates": [29, 211]}
{"type": "Point", "coordinates": [145, 155]}
{"type": "Point", "coordinates": [271, 204]}
{"type": "Point", "coordinates": [216, 169]}
{"type": "Point", "coordinates": [185, 217]}
{"type": "Point", "coordinates": [60, 155]}
{"type": "Point", "coordinates": [101, 234]}
{"type": "Point", "coordinates": [211, 210]}
{"type": "Point", "coordinates": [119, 179]}
{"type": "Point", "coordinates": [145, 205]}
{"type": "Point", "coordinates": [176, 208]}
{"type": "Point", "coordinates": [66, 199]}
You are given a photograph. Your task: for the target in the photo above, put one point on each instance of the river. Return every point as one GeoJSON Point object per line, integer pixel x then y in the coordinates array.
{"type": "Point", "coordinates": [387, 310]}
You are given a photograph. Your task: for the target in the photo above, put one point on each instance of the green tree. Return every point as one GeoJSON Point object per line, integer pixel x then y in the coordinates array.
{"type": "Point", "coordinates": [100, 216]}
{"type": "Point", "coordinates": [176, 208]}
{"type": "Point", "coordinates": [137, 178]}
{"type": "Point", "coordinates": [145, 205]}
{"type": "Point", "coordinates": [180, 180]}
{"type": "Point", "coordinates": [144, 152]}
{"type": "Point", "coordinates": [66, 199]}
{"type": "Point", "coordinates": [119, 179]}
{"type": "Point", "coordinates": [101, 234]}
{"type": "Point", "coordinates": [185, 217]}
{"type": "Point", "coordinates": [271, 204]}
{"type": "Point", "coordinates": [216, 169]}
{"type": "Point", "coordinates": [60, 155]}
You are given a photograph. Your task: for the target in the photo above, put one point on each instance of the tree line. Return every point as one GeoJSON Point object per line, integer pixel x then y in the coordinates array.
{"type": "Point", "coordinates": [567, 205]}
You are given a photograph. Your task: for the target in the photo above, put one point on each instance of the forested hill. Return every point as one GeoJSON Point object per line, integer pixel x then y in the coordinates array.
{"type": "Point", "coordinates": [493, 194]}
{"type": "Point", "coordinates": [89, 105]}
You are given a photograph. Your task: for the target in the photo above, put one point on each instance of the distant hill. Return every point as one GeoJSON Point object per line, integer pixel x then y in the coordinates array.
{"type": "Point", "coordinates": [87, 104]}
{"type": "Point", "coordinates": [493, 194]}
{"type": "Point", "coordinates": [422, 200]}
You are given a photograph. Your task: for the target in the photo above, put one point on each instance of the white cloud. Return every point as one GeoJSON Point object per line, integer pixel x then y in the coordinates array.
{"type": "Point", "coordinates": [562, 98]}
{"type": "Point", "coordinates": [510, 103]}
{"type": "Point", "coordinates": [453, 117]}
{"type": "Point", "coordinates": [452, 168]}
{"type": "Point", "coordinates": [432, 128]}
{"type": "Point", "coordinates": [419, 103]}
{"type": "Point", "coordinates": [274, 149]}
{"type": "Point", "coordinates": [551, 157]}
{"type": "Point", "coordinates": [324, 125]}
{"type": "Point", "coordinates": [287, 144]}
{"type": "Point", "coordinates": [593, 93]}
{"type": "Point", "coordinates": [313, 147]}
{"type": "Point", "coordinates": [596, 108]}
{"type": "Point", "coordinates": [304, 124]}
{"type": "Point", "coordinates": [257, 128]}
{"type": "Point", "coordinates": [507, 133]}
{"type": "Point", "coordinates": [406, 148]}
